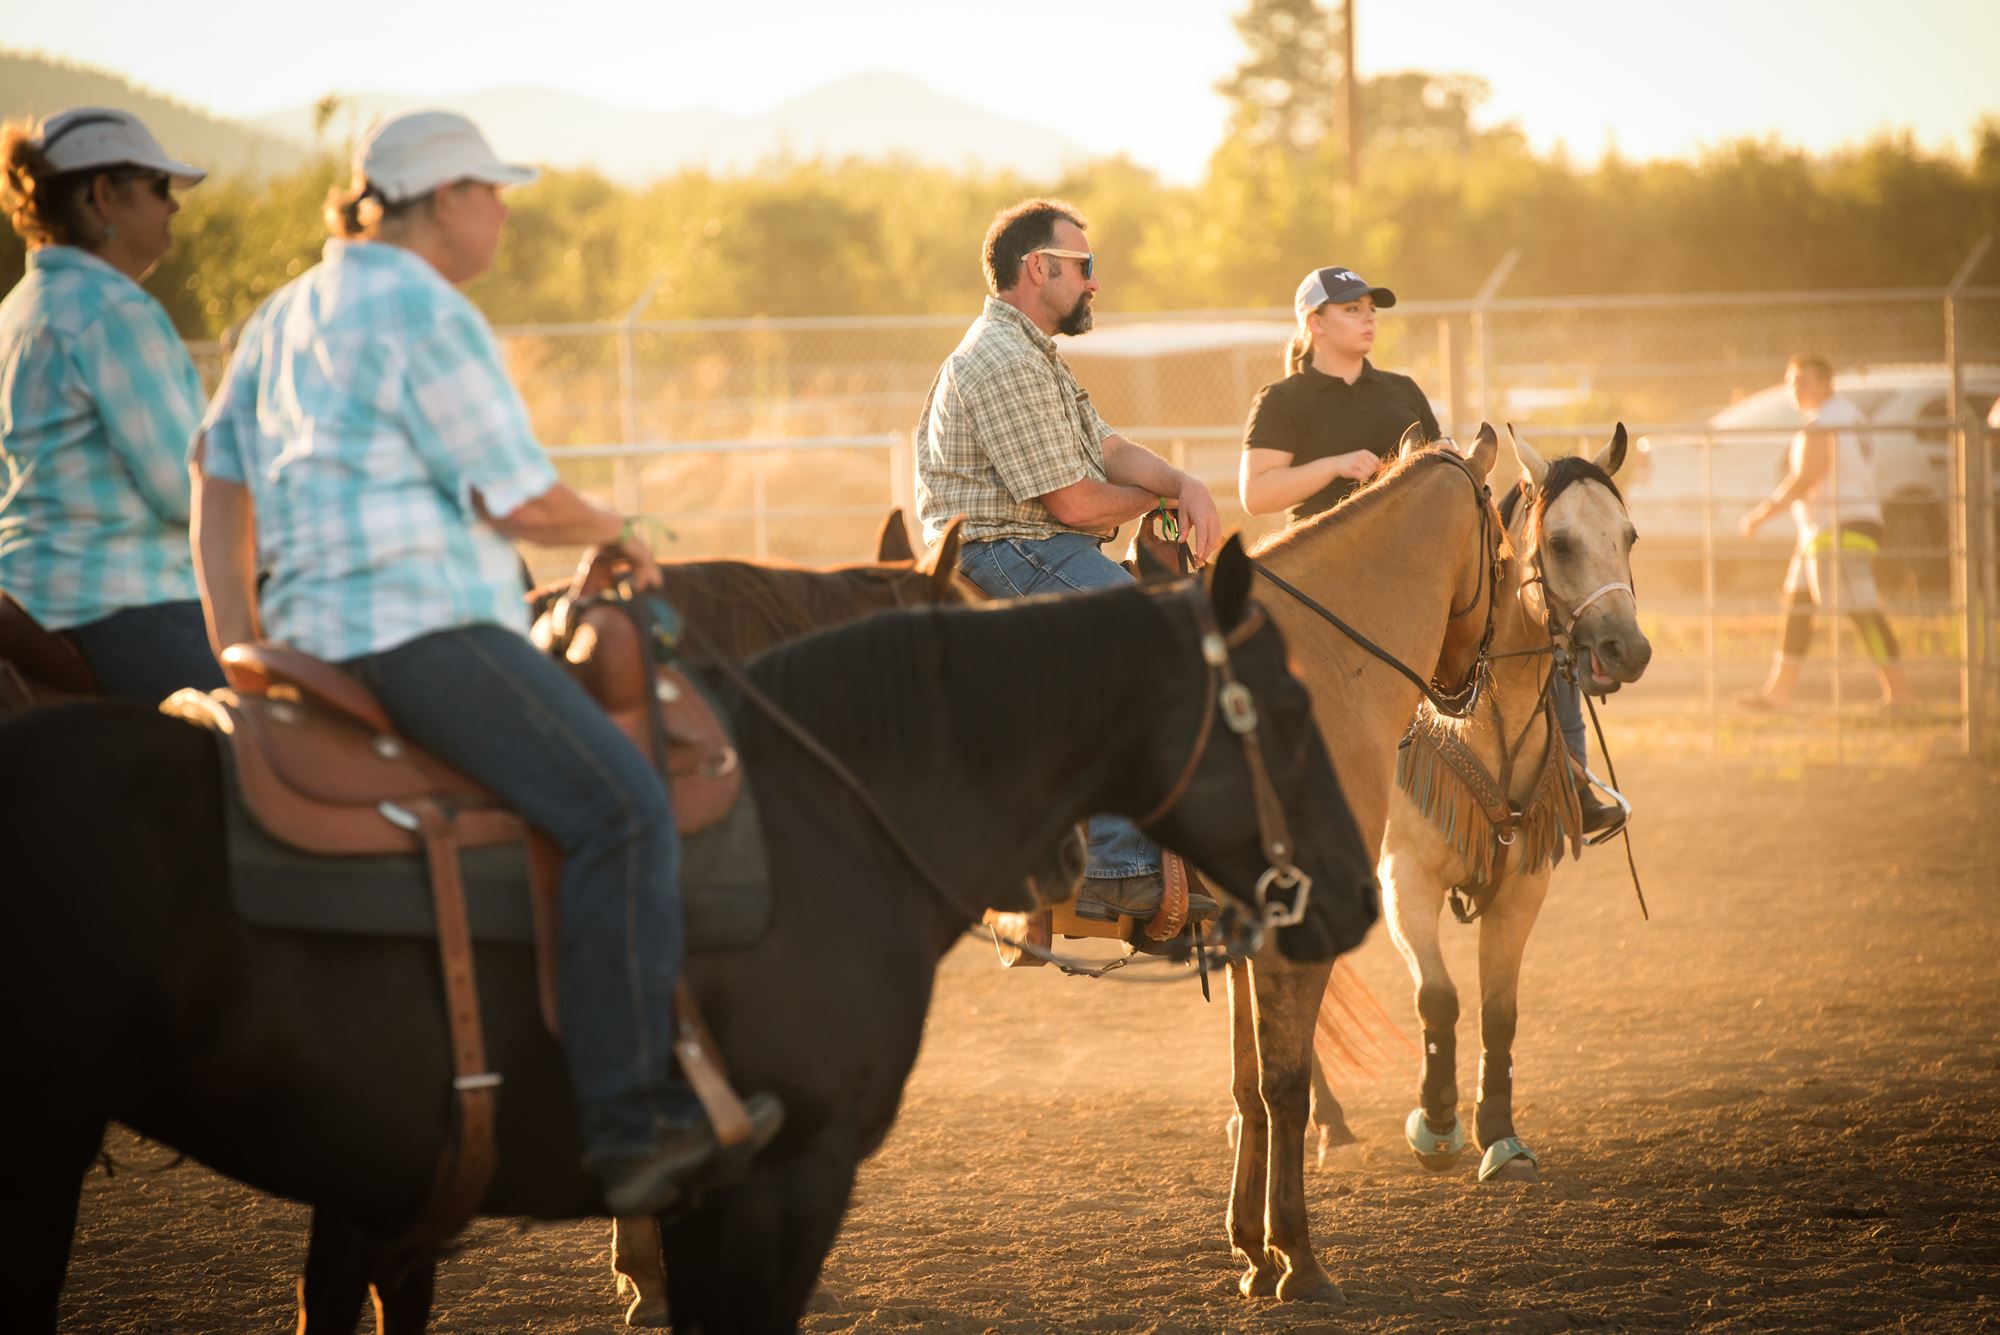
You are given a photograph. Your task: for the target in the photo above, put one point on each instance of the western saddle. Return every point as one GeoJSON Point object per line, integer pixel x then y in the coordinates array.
{"type": "Point", "coordinates": [320, 766]}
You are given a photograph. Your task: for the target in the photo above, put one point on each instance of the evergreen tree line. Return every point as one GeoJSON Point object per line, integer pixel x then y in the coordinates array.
{"type": "Point", "coordinates": [1441, 201]}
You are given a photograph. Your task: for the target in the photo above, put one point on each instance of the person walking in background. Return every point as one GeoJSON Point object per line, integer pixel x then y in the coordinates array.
{"type": "Point", "coordinates": [1829, 485]}
{"type": "Point", "coordinates": [98, 398]}
{"type": "Point", "coordinates": [1322, 431]}
{"type": "Point", "coordinates": [367, 448]}
{"type": "Point", "coordinates": [1011, 441]}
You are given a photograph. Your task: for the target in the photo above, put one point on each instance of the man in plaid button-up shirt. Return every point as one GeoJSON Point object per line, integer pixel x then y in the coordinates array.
{"type": "Point", "coordinates": [1012, 442]}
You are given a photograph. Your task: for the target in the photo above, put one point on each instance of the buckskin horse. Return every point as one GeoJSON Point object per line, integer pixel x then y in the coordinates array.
{"type": "Point", "coordinates": [314, 1067]}
{"type": "Point", "coordinates": [1411, 560]}
{"type": "Point", "coordinates": [1483, 807]}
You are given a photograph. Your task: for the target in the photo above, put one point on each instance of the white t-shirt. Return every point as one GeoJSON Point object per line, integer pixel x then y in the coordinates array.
{"type": "Point", "coordinates": [1854, 502]}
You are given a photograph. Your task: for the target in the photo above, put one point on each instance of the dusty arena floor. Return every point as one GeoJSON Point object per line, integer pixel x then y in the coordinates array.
{"type": "Point", "coordinates": [1777, 1105]}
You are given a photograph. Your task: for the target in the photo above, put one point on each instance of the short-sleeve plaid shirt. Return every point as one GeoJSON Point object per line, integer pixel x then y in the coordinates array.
{"type": "Point", "coordinates": [1005, 425]}
{"type": "Point", "coordinates": [365, 406]}
{"type": "Point", "coordinates": [97, 399]}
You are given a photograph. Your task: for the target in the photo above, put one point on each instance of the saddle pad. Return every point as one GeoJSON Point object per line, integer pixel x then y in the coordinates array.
{"type": "Point", "coordinates": [725, 892]}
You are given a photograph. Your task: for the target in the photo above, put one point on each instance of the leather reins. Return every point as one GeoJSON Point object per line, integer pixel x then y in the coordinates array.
{"type": "Point", "coordinates": [1461, 702]}
{"type": "Point", "coordinates": [1222, 692]}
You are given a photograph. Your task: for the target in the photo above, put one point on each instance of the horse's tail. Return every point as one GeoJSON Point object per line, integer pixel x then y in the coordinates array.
{"type": "Point", "coordinates": [1355, 1037]}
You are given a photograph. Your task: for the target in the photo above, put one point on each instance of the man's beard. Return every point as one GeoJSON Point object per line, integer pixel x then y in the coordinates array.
{"type": "Point", "coordinates": [1078, 319]}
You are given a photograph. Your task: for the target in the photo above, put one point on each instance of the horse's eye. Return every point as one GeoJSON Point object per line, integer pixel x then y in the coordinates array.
{"type": "Point", "coordinates": [1560, 544]}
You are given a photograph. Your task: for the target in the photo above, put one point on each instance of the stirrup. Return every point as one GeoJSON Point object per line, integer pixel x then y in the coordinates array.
{"type": "Point", "coordinates": [1624, 809]}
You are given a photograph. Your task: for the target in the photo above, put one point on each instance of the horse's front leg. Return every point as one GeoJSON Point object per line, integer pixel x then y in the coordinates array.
{"type": "Point", "coordinates": [1288, 1000]}
{"type": "Point", "coordinates": [1503, 937]}
{"type": "Point", "coordinates": [635, 1260]}
{"type": "Point", "coordinates": [1253, 1138]}
{"type": "Point", "coordinates": [1413, 896]}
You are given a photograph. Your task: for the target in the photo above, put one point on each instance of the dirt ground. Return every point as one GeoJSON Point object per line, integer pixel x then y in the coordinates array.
{"type": "Point", "coordinates": [1775, 1106]}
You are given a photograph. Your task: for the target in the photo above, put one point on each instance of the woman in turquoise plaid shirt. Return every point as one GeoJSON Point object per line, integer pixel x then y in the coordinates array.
{"type": "Point", "coordinates": [367, 449]}
{"type": "Point", "coordinates": [98, 398]}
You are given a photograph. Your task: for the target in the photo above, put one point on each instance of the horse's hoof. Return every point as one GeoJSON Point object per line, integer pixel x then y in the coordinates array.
{"type": "Point", "coordinates": [1309, 1286]}
{"type": "Point", "coordinates": [649, 1316]}
{"type": "Point", "coordinates": [1435, 1152]}
{"type": "Point", "coordinates": [1258, 1283]}
{"type": "Point", "coordinates": [1508, 1160]}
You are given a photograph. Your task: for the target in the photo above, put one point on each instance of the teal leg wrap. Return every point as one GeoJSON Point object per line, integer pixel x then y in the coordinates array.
{"type": "Point", "coordinates": [1434, 1150]}
{"type": "Point", "coordinates": [1503, 1152]}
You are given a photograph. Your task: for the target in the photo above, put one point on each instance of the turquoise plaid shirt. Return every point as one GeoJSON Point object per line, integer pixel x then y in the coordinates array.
{"type": "Point", "coordinates": [97, 399]}
{"type": "Point", "coordinates": [364, 407]}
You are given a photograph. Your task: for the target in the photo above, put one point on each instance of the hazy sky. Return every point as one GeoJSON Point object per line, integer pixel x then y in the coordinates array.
{"type": "Point", "coordinates": [1132, 76]}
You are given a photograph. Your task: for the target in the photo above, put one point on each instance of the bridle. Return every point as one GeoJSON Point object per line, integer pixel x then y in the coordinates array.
{"type": "Point", "coordinates": [1223, 694]}
{"type": "Point", "coordinates": [1464, 699]}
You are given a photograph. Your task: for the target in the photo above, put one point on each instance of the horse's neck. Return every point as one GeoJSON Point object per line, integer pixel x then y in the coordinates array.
{"type": "Point", "coordinates": [1384, 572]}
{"type": "Point", "coordinates": [983, 737]}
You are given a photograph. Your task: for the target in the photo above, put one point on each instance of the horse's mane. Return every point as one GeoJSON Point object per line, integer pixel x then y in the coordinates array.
{"type": "Point", "coordinates": [889, 683]}
{"type": "Point", "coordinates": [743, 607]}
{"type": "Point", "coordinates": [1363, 498]}
{"type": "Point", "coordinates": [1564, 472]}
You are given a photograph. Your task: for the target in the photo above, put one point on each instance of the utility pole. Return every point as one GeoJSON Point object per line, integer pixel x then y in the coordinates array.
{"type": "Point", "coordinates": [1353, 91]}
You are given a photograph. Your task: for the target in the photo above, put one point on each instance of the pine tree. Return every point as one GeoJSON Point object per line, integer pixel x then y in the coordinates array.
{"type": "Point", "coordinates": [1285, 90]}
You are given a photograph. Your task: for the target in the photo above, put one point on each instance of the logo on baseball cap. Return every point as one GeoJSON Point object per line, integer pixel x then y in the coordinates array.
{"type": "Point", "coordinates": [1337, 284]}
{"type": "Point", "coordinates": [86, 137]}
{"type": "Point", "coordinates": [413, 154]}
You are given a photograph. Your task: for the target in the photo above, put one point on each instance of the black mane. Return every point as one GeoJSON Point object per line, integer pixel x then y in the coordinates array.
{"type": "Point", "coordinates": [1563, 473]}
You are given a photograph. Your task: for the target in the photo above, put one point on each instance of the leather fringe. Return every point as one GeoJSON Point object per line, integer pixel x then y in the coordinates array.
{"type": "Point", "coordinates": [1551, 824]}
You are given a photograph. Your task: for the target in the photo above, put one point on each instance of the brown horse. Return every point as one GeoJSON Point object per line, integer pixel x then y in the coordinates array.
{"type": "Point", "coordinates": [1570, 586]}
{"type": "Point", "coordinates": [1407, 560]}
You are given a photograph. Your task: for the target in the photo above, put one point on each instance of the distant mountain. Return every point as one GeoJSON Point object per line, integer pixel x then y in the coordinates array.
{"type": "Point", "coordinates": [35, 86]}
{"type": "Point", "coordinates": [868, 115]}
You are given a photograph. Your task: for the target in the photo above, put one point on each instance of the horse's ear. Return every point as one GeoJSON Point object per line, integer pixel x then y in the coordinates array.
{"type": "Point", "coordinates": [1612, 457]}
{"type": "Point", "coordinates": [941, 560]}
{"type": "Point", "coordinates": [1229, 583]}
{"type": "Point", "coordinates": [892, 540]}
{"type": "Point", "coordinates": [1485, 449]}
{"type": "Point", "coordinates": [1533, 465]}
{"type": "Point", "coordinates": [1413, 439]}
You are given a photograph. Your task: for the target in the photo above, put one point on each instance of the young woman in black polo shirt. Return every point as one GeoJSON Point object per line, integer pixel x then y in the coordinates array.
{"type": "Point", "coordinates": [1324, 429]}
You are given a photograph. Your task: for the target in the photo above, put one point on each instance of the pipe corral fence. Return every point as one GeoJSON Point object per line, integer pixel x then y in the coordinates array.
{"type": "Point", "coordinates": [790, 439]}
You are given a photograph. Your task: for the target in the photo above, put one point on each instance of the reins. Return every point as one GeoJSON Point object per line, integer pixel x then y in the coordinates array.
{"type": "Point", "coordinates": [1223, 693]}
{"type": "Point", "coordinates": [1459, 703]}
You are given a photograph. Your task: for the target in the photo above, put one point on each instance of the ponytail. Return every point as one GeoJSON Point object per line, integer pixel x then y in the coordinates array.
{"type": "Point", "coordinates": [359, 211]}
{"type": "Point", "coordinates": [1300, 352]}
{"type": "Point", "coordinates": [44, 205]}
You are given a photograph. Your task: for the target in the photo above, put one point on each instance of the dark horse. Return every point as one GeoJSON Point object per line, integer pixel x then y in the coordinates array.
{"type": "Point", "coordinates": [315, 1067]}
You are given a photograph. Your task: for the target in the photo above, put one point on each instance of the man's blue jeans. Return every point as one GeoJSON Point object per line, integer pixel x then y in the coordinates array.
{"type": "Point", "coordinates": [1066, 563]}
{"type": "Point", "coordinates": [485, 700]}
{"type": "Point", "coordinates": [148, 653]}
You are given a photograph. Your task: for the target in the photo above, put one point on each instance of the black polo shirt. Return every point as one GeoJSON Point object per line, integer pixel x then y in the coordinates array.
{"type": "Point", "coordinates": [1312, 415]}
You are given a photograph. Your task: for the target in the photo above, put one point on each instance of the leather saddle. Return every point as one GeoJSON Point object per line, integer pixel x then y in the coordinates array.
{"type": "Point", "coordinates": [319, 767]}
{"type": "Point", "coordinates": [37, 666]}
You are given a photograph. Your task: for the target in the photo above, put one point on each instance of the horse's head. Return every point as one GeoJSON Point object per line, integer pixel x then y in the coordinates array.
{"type": "Point", "coordinates": [1477, 553]}
{"type": "Point", "coordinates": [1571, 527]}
{"type": "Point", "coordinates": [1256, 803]}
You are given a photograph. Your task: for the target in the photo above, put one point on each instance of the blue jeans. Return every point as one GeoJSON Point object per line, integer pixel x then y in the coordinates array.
{"type": "Point", "coordinates": [485, 700]}
{"type": "Point", "coordinates": [1569, 712]}
{"type": "Point", "coordinates": [1066, 563]}
{"type": "Point", "coordinates": [148, 653]}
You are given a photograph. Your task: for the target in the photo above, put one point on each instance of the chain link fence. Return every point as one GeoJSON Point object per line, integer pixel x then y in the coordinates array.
{"type": "Point", "coordinates": [790, 439]}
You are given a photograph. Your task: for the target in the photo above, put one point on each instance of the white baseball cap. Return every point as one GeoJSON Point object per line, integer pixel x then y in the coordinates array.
{"type": "Point", "coordinates": [413, 154]}
{"type": "Point", "coordinates": [86, 137]}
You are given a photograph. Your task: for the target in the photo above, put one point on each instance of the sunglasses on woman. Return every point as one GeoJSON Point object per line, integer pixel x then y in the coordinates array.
{"type": "Point", "coordinates": [161, 184]}
{"type": "Point", "coordinates": [1089, 260]}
